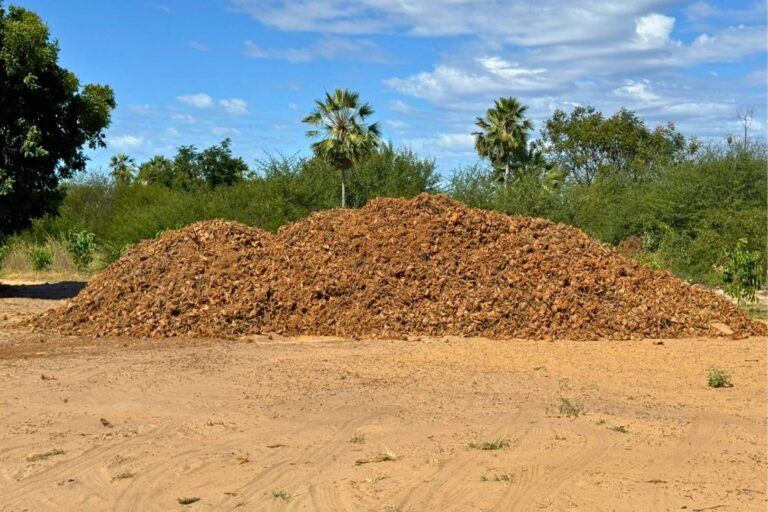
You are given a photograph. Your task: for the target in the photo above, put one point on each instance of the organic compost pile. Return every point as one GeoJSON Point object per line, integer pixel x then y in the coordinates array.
{"type": "Point", "coordinates": [426, 266]}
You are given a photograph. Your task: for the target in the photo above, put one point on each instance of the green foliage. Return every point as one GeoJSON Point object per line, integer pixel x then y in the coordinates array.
{"type": "Point", "coordinates": [41, 258]}
{"type": "Point", "coordinates": [80, 246]}
{"type": "Point", "coordinates": [191, 169]}
{"type": "Point", "coordinates": [345, 138]}
{"type": "Point", "coordinates": [743, 272]}
{"type": "Point", "coordinates": [45, 120]}
{"type": "Point", "coordinates": [587, 146]}
{"type": "Point", "coordinates": [503, 136]}
{"type": "Point", "coordinates": [718, 378]}
{"type": "Point", "coordinates": [122, 169]}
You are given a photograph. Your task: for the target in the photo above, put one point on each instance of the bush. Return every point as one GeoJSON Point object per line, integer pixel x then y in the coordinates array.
{"type": "Point", "coordinates": [80, 246]}
{"type": "Point", "coordinates": [41, 258]}
{"type": "Point", "coordinates": [718, 378]}
{"type": "Point", "coordinates": [743, 273]}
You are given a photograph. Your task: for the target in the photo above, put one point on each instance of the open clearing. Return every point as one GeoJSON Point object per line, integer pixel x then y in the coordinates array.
{"type": "Point", "coordinates": [331, 424]}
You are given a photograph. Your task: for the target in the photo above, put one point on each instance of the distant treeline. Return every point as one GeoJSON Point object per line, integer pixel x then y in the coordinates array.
{"type": "Point", "coordinates": [612, 177]}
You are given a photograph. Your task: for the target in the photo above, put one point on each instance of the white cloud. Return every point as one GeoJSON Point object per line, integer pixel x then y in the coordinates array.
{"type": "Point", "coordinates": [549, 22]}
{"type": "Point", "coordinates": [199, 100]}
{"type": "Point", "coordinates": [183, 118]}
{"type": "Point", "coordinates": [197, 45]}
{"type": "Point", "coordinates": [453, 144]}
{"type": "Point", "coordinates": [220, 131]}
{"type": "Point", "coordinates": [293, 106]}
{"type": "Point", "coordinates": [653, 30]}
{"type": "Point", "coordinates": [400, 106]}
{"type": "Point", "coordinates": [636, 91]}
{"type": "Point", "coordinates": [234, 106]}
{"type": "Point", "coordinates": [328, 48]}
{"type": "Point", "coordinates": [125, 142]}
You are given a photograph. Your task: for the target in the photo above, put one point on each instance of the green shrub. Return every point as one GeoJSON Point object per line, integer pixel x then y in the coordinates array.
{"type": "Point", "coordinates": [80, 246]}
{"type": "Point", "coordinates": [743, 273]}
{"type": "Point", "coordinates": [718, 378]}
{"type": "Point", "coordinates": [41, 258]}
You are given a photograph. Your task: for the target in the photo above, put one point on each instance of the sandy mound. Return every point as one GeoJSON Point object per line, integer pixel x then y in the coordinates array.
{"type": "Point", "coordinates": [425, 266]}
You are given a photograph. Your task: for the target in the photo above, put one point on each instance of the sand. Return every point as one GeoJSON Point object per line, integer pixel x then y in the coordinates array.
{"type": "Point", "coordinates": [255, 423]}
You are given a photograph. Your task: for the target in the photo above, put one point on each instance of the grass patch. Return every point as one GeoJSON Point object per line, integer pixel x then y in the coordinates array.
{"type": "Point", "coordinates": [124, 475]}
{"type": "Point", "coordinates": [496, 444]}
{"type": "Point", "coordinates": [280, 494]}
{"type": "Point", "coordinates": [570, 409]}
{"type": "Point", "coordinates": [718, 378]}
{"type": "Point", "coordinates": [46, 455]}
{"type": "Point", "coordinates": [357, 438]}
{"type": "Point", "coordinates": [21, 259]}
{"type": "Point", "coordinates": [756, 311]}
{"type": "Point", "coordinates": [620, 428]}
{"type": "Point", "coordinates": [498, 477]}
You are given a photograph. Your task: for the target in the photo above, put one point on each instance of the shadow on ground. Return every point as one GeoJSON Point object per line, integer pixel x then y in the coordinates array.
{"type": "Point", "coordinates": [51, 291]}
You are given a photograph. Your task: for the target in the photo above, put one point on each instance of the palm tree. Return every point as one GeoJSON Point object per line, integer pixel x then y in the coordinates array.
{"type": "Point", "coordinates": [123, 168]}
{"type": "Point", "coordinates": [345, 136]}
{"type": "Point", "coordinates": [503, 131]}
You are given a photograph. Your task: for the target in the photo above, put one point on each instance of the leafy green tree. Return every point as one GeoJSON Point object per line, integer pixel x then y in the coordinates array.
{"type": "Point", "coordinates": [503, 135]}
{"type": "Point", "coordinates": [340, 121]}
{"type": "Point", "coordinates": [122, 168]}
{"type": "Point", "coordinates": [46, 117]}
{"type": "Point", "coordinates": [587, 146]}
{"type": "Point", "coordinates": [157, 170]}
{"type": "Point", "coordinates": [217, 165]}
{"type": "Point", "coordinates": [743, 272]}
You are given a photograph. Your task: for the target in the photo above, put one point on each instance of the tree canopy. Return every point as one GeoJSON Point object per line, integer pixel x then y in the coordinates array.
{"type": "Point", "coordinates": [345, 137]}
{"type": "Point", "coordinates": [46, 117]}
{"type": "Point", "coordinates": [587, 146]}
{"type": "Point", "coordinates": [503, 135]}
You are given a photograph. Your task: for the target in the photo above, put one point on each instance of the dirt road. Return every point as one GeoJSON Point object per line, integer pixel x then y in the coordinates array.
{"type": "Point", "coordinates": [349, 425]}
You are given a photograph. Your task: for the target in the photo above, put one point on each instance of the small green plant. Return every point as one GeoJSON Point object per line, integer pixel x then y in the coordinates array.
{"type": "Point", "coordinates": [718, 378]}
{"type": "Point", "coordinates": [570, 409]}
{"type": "Point", "coordinates": [600, 422]}
{"type": "Point", "coordinates": [743, 273]}
{"type": "Point", "coordinates": [620, 428]}
{"type": "Point", "coordinates": [41, 258]}
{"type": "Point", "coordinates": [496, 444]}
{"type": "Point", "coordinates": [124, 475]}
{"type": "Point", "coordinates": [358, 438]}
{"type": "Point", "coordinates": [280, 494]}
{"type": "Point", "coordinates": [498, 477]}
{"type": "Point", "coordinates": [80, 246]}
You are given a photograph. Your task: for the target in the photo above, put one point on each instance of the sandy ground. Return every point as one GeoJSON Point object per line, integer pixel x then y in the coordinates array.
{"type": "Point", "coordinates": [308, 424]}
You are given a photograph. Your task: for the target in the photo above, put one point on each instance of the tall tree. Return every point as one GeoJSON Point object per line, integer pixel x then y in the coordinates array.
{"type": "Point", "coordinates": [46, 117]}
{"type": "Point", "coordinates": [588, 146]}
{"type": "Point", "coordinates": [345, 138]}
{"type": "Point", "coordinates": [503, 133]}
{"type": "Point", "coordinates": [122, 168]}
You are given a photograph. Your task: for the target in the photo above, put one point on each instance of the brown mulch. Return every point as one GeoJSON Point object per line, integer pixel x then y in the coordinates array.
{"type": "Point", "coordinates": [429, 266]}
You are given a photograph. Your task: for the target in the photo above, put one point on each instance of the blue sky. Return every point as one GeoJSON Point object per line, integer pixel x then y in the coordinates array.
{"type": "Point", "coordinates": [195, 71]}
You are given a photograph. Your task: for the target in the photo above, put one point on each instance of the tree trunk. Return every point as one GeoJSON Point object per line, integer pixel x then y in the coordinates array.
{"type": "Point", "coordinates": [343, 188]}
{"type": "Point", "coordinates": [506, 172]}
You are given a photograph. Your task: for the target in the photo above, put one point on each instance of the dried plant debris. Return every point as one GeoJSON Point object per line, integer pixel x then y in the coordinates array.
{"type": "Point", "coordinates": [425, 266]}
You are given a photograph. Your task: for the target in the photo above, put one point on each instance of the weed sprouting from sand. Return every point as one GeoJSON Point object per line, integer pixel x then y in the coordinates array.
{"type": "Point", "coordinates": [719, 378]}
{"type": "Point", "coordinates": [124, 475]}
{"type": "Point", "coordinates": [357, 438]}
{"type": "Point", "coordinates": [280, 494]}
{"type": "Point", "coordinates": [498, 477]}
{"type": "Point", "coordinates": [496, 444]}
{"type": "Point", "coordinates": [46, 455]}
{"type": "Point", "coordinates": [619, 428]}
{"type": "Point", "coordinates": [570, 409]}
